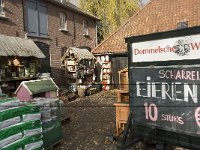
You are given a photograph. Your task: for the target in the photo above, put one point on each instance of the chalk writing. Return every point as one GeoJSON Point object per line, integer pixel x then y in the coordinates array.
{"type": "Point", "coordinates": [170, 98]}
{"type": "Point", "coordinates": [148, 112]}
{"type": "Point", "coordinates": [197, 116]}
{"type": "Point", "coordinates": [165, 90]}
{"type": "Point", "coordinates": [172, 118]}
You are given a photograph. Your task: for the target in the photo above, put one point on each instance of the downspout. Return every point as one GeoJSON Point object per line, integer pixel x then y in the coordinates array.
{"type": "Point", "coordinates": [74, 35]}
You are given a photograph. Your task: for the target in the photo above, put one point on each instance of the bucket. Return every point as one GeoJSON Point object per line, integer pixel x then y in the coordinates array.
{"type": "Point", "coordinates": [81, 92]}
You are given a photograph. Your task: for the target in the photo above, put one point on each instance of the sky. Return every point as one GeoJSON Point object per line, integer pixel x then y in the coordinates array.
{"type": "Point", "coordinates": [76, 2]}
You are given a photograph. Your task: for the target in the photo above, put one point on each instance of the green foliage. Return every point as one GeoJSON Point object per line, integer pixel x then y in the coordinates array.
{"type": "Point", "coordinates": [111, 12]}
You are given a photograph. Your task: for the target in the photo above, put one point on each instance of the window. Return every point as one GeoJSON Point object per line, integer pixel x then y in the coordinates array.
{"type": "Point", "coordinates": [36, 19]}
{"type": "Point", "coordinates": [63, 21]}
{"type": "Point", "coordinates": [85, 28]}
{"type": "Point", "coordinates": [2, 8]}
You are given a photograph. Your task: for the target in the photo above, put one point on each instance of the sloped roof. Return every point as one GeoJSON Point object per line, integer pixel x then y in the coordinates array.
{"type": "Point", "coordinates": [73, 7]}
{"type": "Point", "coordinates": [38, 86]}
{"type": "Point", "coordinates": [157, 16]}
{"type": "Point", "coordinates": [15, 46]}
{"type": "Point", "coordinates": [78, 53]}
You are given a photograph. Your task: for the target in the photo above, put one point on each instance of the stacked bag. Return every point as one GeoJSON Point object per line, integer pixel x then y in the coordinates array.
{"type": "Point", "coordinates": [48, 108]}
{"type": "Point", "coordinates": [20, 125]}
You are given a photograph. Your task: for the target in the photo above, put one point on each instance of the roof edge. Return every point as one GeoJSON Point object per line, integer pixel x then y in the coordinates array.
{"type": "Point", "coordinates": [74, 10]}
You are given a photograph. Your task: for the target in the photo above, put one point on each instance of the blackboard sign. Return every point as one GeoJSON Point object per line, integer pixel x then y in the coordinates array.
{"type": "Point", "coordinates": [167, 98]}
{"type": "Point", "coordinates": [164, 86]}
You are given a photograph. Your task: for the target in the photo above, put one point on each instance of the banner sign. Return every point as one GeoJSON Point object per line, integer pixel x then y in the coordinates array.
{"type": "Point", "coordinates": [178, 48]}
{"type": "Point", "coordinates": [167, 98]}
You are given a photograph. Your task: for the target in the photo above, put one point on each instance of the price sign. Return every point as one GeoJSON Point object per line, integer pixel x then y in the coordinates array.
{"type": "Point", "coordinates": [167, 97]}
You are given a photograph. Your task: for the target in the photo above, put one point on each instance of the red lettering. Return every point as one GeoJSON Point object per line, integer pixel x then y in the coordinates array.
{"type": "Point", "coordinates": [136, 51]}
{"type": "Point", "coordinates": [195, 45]}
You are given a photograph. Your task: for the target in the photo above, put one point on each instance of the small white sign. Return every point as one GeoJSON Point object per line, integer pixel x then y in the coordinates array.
{"type": "Point", "coordinates": [178, 48]}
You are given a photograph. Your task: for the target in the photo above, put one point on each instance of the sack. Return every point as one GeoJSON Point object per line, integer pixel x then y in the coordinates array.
{"type": "Point", "coordinates": [31, 117]}
{"type": "Point", "coordinates": [18, 111]}
{"type": "Point", "coordinates": [9, 122]}
{"type": "Point", "coordinates": [10, 139]}
{"type": "Point", "coordinates": [8, 103]}
{"type": "Point", "coordinates": [32, 132]}
{"type": "Point", "coordinates": [34, 146]}
{"type": "Point", "coordinates": [19, 128]}
{"type": "Point", "coordinates": [20, 144]}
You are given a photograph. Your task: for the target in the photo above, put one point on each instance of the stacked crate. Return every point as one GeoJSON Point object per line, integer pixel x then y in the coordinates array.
{"type": "Point", "coordinates": [122, 102]}
{"type": "Point", "coordinates": [20, 126]}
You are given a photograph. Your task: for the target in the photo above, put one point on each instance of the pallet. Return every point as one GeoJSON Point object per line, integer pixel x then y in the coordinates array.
{"type": "Point", "coordinates": [122, 112]}
{"type": "Point", "coordinates": [52, 146]}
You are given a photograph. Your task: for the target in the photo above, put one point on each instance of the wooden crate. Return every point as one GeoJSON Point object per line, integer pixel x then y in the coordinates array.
{"type": "Point", "coordinates": [122, 112]}
{"type": "Point", "coordinates": [122, 96]}
{"type": "Point", "coordinates": [123, 79]}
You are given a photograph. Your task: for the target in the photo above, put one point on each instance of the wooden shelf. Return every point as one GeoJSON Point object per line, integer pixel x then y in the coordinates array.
{"type": "Point", "coordinates": [105, 62]}
{"type": "Point", "coordinates": [17, 79]}
{"type": "Point", "coordinates": [71, 71]}
{"type": "Point", "coordinates": [106, 72]}
{"type": "Point", "coordinates": [71, 65]}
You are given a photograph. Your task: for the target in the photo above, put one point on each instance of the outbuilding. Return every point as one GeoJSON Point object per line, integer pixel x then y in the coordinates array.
{"type": "Point", "coordinates": [28, 90]}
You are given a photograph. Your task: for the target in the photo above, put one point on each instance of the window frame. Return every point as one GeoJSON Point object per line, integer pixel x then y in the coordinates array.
{"type": "Point", "coordinates": [85, 28]}
{"type": "Point", "coordinates": [63, 21]}
{"type": "Point", "coordinates": [39, 32]}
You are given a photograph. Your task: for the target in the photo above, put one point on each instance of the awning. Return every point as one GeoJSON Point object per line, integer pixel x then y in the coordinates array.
{"type": "Point", "coordinates": [78, 53]}
{"type": "Point", "coordinates": [15, 46]}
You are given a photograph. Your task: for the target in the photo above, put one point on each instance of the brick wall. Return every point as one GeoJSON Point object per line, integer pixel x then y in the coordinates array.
{"type": "Point", "coordinates": [13, 25]}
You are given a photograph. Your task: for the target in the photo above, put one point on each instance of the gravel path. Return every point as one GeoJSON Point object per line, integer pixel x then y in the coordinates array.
{"type": "Point", "coordinates": [92, 119]}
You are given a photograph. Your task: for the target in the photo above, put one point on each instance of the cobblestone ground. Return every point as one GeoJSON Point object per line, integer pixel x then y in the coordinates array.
{"type": "Point", "coordinates": [92, 119]}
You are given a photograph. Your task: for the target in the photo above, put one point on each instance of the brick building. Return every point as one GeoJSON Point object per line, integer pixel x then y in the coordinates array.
{"type": "Point", "coordinates": [156, 16]}
{"type": "Point", "coordinates": [54, 25]}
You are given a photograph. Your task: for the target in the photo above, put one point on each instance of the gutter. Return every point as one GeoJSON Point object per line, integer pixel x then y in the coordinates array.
{"type": "Point", "coordinates": [111, 53]}
{"type": "Point", "coordinates": [74, 10]}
